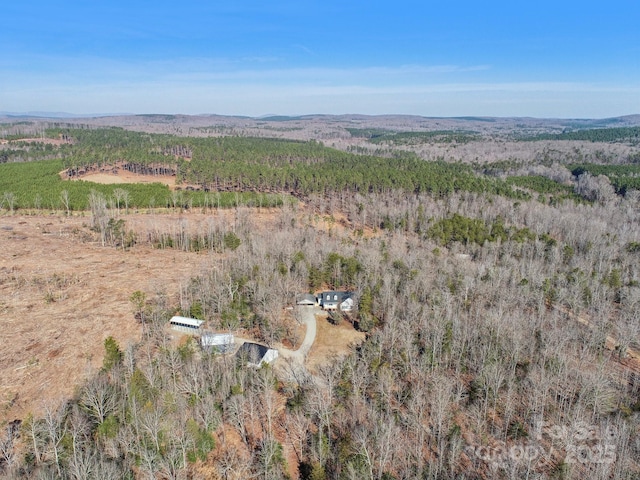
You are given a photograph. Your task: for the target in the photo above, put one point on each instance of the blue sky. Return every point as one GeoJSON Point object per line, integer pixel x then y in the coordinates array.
{"type": "Point", "coordinates": [570, 59]}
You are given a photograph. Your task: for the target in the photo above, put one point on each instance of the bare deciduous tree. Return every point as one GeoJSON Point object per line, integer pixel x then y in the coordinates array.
{"type": "Point", "coordinates": [99, 398]}
{"type": "Point", "coordinates": [64, 198]}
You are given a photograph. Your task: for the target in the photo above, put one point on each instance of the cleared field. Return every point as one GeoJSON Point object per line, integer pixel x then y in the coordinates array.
{"type": "Point", "coordinates": [61, 296]}
{"type": "Point", "coordinates": [111, 179]}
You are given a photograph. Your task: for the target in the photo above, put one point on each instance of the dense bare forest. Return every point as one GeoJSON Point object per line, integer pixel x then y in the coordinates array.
{"type": "Point", "coordinates": [500, 308]}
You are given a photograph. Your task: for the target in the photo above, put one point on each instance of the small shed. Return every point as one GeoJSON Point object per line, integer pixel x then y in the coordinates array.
{"type": "Point", "coordinates": [190, 326]}
{"type": "Point", "coordinates": [255, 354]}
{"type": "Point", "coordinates": [217, 342]}
{"type": "Point", "coordinates": [306, 299]}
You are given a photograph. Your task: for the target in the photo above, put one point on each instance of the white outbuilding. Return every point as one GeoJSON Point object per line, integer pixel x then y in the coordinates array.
{"type": "Point", "coordinates": [306, 299]}
{"type": "Point", "coordinates": [217, 342]}
{"type": "Point", "coordinates": [190, 326]}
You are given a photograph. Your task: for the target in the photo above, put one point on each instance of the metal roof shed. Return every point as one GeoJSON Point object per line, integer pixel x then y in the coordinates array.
{"type": "Point", "coordinates": [190, 326]}
{"type": "Point", "coordinates": [219, 342]}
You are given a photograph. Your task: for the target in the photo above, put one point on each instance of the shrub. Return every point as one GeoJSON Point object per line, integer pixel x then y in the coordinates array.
{"type": "Point", "coordinates": [112, 354]}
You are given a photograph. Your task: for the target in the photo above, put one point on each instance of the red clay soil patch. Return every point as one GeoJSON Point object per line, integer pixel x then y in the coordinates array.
{"type": "Point", "coordinates": [230, 451]}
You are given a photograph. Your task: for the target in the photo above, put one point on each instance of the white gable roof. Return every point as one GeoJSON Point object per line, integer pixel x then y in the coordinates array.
{"type": "Point", "coordinates": [192, 322]}
{"type": "Point", "coordinates": [216, 339]}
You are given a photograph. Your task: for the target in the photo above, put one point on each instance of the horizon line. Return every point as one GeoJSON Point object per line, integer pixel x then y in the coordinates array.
{"type": "Point", "coordinates": [266, 117]}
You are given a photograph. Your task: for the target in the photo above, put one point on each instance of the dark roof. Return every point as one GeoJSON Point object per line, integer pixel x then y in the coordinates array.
{"type": "Point", "coordinates": [252, 352]}
{"type": "Point", "coordinates": [342, 296]}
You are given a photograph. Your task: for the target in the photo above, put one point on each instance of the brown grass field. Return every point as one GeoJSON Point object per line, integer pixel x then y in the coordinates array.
{"type": "Point", "coordinates": [62, 294]}
{"type": "Point", "coordinates": [332, 341]}
{"type": "Point", "coordinates": [122, 176]}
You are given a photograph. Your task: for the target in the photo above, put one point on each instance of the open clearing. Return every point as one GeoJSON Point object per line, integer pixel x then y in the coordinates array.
{"type": "Point", "coordinates": [62, 294]}
{"type": "Point", "coordinates": [123, 176]}
{"type": "Point", "coordinates": [332, 341]}
{"type": "Point", "coordinates": [45, 141]}
{"type": "Point", "coordinates": [111, 179]}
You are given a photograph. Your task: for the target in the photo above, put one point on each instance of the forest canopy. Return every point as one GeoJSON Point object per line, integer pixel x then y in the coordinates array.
{"type": "Point", "coordinates": [228, 164]}
{"type": "Point", "coordinates": [491, 330]}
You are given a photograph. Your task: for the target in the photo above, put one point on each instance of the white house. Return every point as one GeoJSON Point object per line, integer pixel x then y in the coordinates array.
{"type": "Point", "coordinates": [337, 300]}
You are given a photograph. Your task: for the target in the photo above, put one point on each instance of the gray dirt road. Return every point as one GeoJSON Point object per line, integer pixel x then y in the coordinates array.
{"type": "Point", "coordinates": [294, 359]}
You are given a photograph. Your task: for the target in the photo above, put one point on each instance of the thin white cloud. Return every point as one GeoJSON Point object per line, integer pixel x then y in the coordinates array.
{"type": "Point", "coordinates": [221, 69]}
{"type": "Point", "coordinates": [245, 86]}
{"type": "Point", "coordinates": [506, 99]}
{"type": "Point", "coordinates": [261, 59]}
{"type": "Point", "coordinates": [304, 49]}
